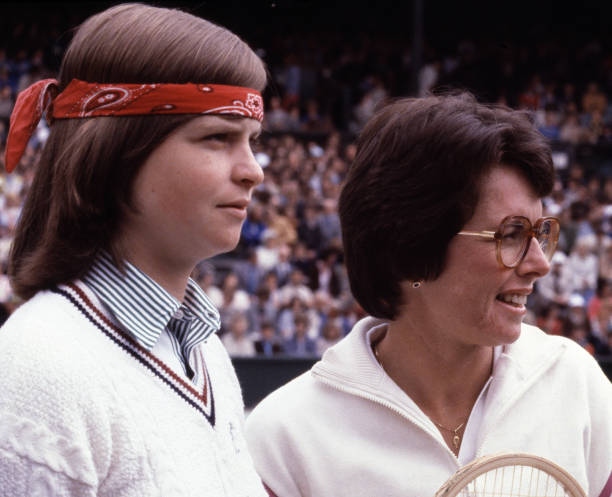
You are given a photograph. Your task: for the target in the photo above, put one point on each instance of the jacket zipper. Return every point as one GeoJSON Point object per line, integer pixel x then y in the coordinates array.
{"type": "Point", "coordinates": [389, 406]}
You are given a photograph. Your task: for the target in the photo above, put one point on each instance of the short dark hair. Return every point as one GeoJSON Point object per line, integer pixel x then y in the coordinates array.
{"type": "Point", "coordinates": [83, 183]}
{"type": "Point", "coordinates": [414, 184]}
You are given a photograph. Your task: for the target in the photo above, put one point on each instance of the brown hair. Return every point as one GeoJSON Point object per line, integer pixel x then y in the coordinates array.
{"type": "Point", "coordinates": [415, 182]}
{"type": "Point", "coordinates": [84, 178]}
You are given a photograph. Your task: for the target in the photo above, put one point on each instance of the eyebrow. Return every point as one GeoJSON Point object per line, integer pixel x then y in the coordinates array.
{"type": "Point", "coordinates": [233, 122]}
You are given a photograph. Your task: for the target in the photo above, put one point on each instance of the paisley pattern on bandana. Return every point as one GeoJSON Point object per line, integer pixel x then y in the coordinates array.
{"type": "Point", "coordinates": [81, 100]}
{"type": "Point", "coordinates": [108, 98]}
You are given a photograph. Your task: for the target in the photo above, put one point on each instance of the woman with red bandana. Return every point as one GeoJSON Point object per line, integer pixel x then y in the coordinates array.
{"type": "Point", "coordinates": [114, 382]}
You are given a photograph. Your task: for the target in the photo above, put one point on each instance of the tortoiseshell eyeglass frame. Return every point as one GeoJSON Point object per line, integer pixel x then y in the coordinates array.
{"type": "Point", "coordinates": [550, 236]}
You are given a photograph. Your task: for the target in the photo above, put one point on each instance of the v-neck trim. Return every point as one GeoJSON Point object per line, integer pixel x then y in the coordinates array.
{"type": "Point", "coordinates": [202, 400]}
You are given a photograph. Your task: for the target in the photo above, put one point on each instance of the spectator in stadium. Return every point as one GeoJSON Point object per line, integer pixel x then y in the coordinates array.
{"type": "Point", "coordinates": [204, 276]}
{"type": "Point", "coordinates": [571, 131]}
{"type": "Point", "coordinates": [113, 381]}
{"type": "Point", "coordinates": [281, 225]}
{"type": "Point", "coordinates": [582, 267]}
{"type": "Point", "coordinates": [283, 267]}
{"type": "Point", "coordinates": [267, 252]}
{"type": "Point", "coordinates": [329, 277]}
{"type": "Point", "coordinates": [268, 344]}
{"type": "Point", "coordinates": [444, 238]}
{"type": "Point", "coordinates": [300, 344]}
{"type": "Point", "coordinates": [296, 288]}
{"type": "Point", "coordinates": [285, 324]}
{"type": "Point", "coordinates": [576, 315]}
{"type": "Point", "coordinates": [550, 127]}
{"type": "Point", "coordinates": [602, 298]}
{"type": "Point", "coordinates": [304, 259]}
{"type": "Point", "coordinates": [235, 299]}
{"type": "Point", "coordinates": [556, 286]}
{"type": "Point", "coordinates": [596, 127]}
{"type": "Point", "coordinates": [593, 99]}
{"type": "Point", "coordinates": [261, 310]}
{"type": "Point", "coordinates": [254, 226]}
{"type": "Point", "coordinates": [330, 223]}
{"type": "Point", "coordinates": [249, 273]}
{"type": "Point", "coordinates": [313, 121]}
{"type": "Point", "coordinates": [600, 318]}
{"type": "Point", "coordinates": [237, 340]}
{"type": "Point", "coordinates": [331, 335]}
{"type": "Point", "coordinates": [309, 230]}
{"type": "Point", "coordinates": [550, 319]}
{"type": "Point", "coordinates": [277, 118]}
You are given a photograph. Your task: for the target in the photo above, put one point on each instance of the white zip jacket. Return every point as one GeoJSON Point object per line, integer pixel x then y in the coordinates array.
{"type": "Point", "coordinates": [346, 429]}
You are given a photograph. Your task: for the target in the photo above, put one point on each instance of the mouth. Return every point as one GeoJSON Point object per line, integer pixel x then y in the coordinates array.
{"type": "Point", "coordinates": [238, 208]}
{"type": "Point", "coordinates": [232, 206]}
{"type": "Point", "coordinates": [236, 204]}
{"type": "Point", "coordinates": [513, 299]}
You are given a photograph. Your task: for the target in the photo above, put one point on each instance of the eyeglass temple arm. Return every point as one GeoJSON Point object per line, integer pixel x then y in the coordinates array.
{"type": "Point", "coordinates": [481, 234]}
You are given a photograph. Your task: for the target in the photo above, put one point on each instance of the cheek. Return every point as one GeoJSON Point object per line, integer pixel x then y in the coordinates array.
{"type": "Point", "coordinates": [154, 197]}
{"type": "Point", "coordinates": [187, 189]}
{"type": "Point", "coordinates": [472, 279]}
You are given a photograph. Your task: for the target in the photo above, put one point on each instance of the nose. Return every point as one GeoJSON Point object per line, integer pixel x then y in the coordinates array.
{"type": "Point", "coordinates": [535, 261]}
{"type": "Point", "coordinates": [247, 170]}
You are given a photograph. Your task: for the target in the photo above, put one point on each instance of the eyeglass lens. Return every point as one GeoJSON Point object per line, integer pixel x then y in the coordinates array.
{"type": "Point", "coordinates": [516, 234]}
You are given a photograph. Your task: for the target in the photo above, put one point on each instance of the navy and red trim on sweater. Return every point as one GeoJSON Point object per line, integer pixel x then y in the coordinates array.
{"type": "Point", "coordinates": [202, 399]}
{"type": "Point", "coordinates": [144, 309]}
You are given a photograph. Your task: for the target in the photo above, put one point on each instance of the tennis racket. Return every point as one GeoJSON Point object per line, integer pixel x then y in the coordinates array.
{"type": "Point", "coordinates": [511, 475]}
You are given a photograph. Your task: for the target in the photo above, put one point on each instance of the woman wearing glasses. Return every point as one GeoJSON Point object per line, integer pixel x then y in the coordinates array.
{"type": "Point", "coordinates": [444, 238]}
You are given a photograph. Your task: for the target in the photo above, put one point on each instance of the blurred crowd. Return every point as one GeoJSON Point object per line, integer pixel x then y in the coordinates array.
{"type": "Point", "coordinates": [284, 290]}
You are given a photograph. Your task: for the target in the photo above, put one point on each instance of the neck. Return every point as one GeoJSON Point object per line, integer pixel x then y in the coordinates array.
{"type": "Point", "coordinates": [174, 282]}
{"type": "Point", "coordinates": [443, 378]}
{"type": "Point", "coordinates": [159, 263]}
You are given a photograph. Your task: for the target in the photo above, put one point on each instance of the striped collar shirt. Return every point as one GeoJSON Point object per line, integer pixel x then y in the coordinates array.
{"type": "Point", "coordinates": [145, 310]}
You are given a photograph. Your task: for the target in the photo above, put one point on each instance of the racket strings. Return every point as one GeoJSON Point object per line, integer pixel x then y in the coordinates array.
{"type": "Point", "coordinates": [514, 481]}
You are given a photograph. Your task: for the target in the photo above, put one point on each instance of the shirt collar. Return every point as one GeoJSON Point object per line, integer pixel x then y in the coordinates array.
{"type": "Point", "coordinates": [142, 306]}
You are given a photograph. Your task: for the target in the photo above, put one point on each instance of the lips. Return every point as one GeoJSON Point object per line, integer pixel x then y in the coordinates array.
{"type": "Point", "coordinates": [517, 300]}
{"type": "Point", "coordinates": [236, 208]}
{"type": "Point", "coordinates": [236, 204]}
{"type": "Point", "coordinates": [517, 297]}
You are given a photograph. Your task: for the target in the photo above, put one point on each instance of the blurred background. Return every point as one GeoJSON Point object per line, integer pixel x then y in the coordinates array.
{"type": "Point", "coordinates": [283, 293]}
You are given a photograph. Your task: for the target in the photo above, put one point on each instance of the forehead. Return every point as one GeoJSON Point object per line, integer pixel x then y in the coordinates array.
{"type": "Point", "coordinates": [232, 124]}
{"type": "Point", "coordinates": [505, 191]}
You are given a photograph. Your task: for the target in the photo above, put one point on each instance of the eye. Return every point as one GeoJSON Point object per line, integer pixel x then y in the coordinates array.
{"type": "Point", "coordinates": [545, 229]}
{"type": "Point", "coordinates": [218, 137]}
{"type": "Point", "coordinates": [513, 232]}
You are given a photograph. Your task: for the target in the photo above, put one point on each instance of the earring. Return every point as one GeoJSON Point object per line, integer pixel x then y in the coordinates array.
{"type": "Point", "coordinates": [417, 284]}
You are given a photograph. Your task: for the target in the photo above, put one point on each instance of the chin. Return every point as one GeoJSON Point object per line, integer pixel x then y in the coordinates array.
{"type": "Point", "coordinates": [509, 335]}
{"type": "Point", "coordinates": [227, 247]}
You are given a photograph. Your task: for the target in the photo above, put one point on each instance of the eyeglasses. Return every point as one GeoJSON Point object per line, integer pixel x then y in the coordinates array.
{"type": "Point", "coordinates": [514, 236]}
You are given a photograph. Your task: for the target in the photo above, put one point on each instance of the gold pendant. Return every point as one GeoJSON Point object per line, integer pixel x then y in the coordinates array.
{"type": "Point", "coordinates": [456, 440]}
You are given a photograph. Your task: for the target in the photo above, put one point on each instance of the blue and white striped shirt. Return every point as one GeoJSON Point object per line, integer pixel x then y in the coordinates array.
{"type": "Point", "coordinates": [145, 310]}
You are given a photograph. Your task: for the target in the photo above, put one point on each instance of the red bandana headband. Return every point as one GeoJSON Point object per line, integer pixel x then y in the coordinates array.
{"type": "Point", "coordinates": [81, 99]}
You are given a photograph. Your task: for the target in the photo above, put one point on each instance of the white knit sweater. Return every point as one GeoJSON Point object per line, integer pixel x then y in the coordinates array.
{"type": "Point", "coordinates": [85, 411]}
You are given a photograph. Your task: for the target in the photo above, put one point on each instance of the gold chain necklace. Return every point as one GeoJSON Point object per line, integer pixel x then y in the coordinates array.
{"type": "Point", "coordinates": [454, 431]}
{"type": "Point", "coordinates": [456, 436]}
